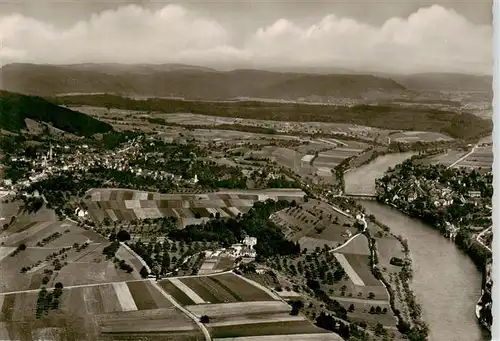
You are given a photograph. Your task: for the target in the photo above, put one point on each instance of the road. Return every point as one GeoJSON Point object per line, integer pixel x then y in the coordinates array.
{"type": "Point", "coordinates": [464, 157]}
{"type": "Point", "coordinates": [356, 235]}
{"type": "Point", "coordinates": [480, 240]}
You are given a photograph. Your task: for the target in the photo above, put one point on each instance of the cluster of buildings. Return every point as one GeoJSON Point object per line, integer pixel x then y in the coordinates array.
{"type": "Point", "coordinates": [81, 158]}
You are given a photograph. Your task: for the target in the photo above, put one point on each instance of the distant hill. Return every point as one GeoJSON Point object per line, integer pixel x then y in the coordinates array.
{"type": "Point", "coordinates": [446, 82]}
{"type": "Point", "coordinates": [190, 82]}
{"type": "Point", "coordinates": [415, 82]}
{"type": "Point", "coordinates": [16, 108]}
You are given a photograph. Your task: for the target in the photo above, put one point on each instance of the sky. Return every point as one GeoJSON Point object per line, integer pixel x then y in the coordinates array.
{"type": "Point", "coordinates": [398, 36]}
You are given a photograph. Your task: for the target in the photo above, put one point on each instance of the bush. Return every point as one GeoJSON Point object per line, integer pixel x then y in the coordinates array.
{"type": "Point", "coordinates": [144, 272]}
{"type": "Point", "coordinates": [123, 236]}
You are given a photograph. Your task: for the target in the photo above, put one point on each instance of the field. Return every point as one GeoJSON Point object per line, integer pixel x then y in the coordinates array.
{"type": "Point", "coordinates": [314, 222]}
{"type": "Point", "coordinates": [357, 246]}
{"type": "Point", "coordinates": [288, 337]}
{"type": "Point", "coordinates": [362, 180]}
{"type": "Point", "coordinates": [270, 328]}
{"type": "Point", "coordinates": [481, 158]}
{"type": "Point", "coordinates": [214, 289]}
{"type": "Point", "coordinates": [96, 312]}
{"type": "Point", "coordinates": [79, 252]}
{"type": "Point", "coordinates": [445, 159]}
{"type": "Point", "coordinates": [126, 205]}
{"type": "Point", "coordinates": [423, 136]}
{"type": "Point", "coordinates": [332, 158]}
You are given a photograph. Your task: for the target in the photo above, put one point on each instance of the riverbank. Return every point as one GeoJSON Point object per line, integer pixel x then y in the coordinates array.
{"type": "Point", "coordinates": [445, 281]}
{"type": "Point", "coordinates": [478, 253]}
{"type": "Point", "coordinates": [397, 283]}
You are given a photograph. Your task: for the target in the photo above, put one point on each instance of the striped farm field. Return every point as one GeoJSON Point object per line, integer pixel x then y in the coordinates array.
{"type": "Point", "coordinates": [146, 321]}
{"type": "Point", "coordinates": [146, 296]}
{"type": "Point", "coordinates": [193, 295]}
{"type": "Point", "coordinates": [124, 296]}
{"type": "Point", "coordinates": [239, 308]}
{"type": "Point", "coordinates": [252, 319]}
{"type": "Point", "coordinates": [95, 312]}
{"type": "Point", "coordinates": [214, 289]}
{"type": "Point", "coordinates": [272, 328]}
{"type": "Point", "coordinates": [289, 337]}
{"type": "Point", "coordinates": [125, 205]}
{"type": "Point", "coordinates": [241, 288]}
{"type": "Point", "coordinates": [175, 292]}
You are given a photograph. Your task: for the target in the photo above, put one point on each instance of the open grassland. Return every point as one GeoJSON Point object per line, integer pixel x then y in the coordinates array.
{"type": "Point", "coordinates": [361, 265]}
{"type": "Point", "coordinates": [5, 252]}
{"type": "Point", "coordinates": [125, 205]}
{"type": "Point", "coordinates": [8, 209]}
{"type": "Point", "coordinates": [362, 180]}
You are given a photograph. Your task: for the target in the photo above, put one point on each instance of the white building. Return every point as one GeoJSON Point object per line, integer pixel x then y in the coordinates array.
{"type": "Point", "coordinates": [250, 242]}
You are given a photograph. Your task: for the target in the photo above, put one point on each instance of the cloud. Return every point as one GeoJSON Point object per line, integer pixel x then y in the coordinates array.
{"type": "Point", "coordinates": [431, 39]}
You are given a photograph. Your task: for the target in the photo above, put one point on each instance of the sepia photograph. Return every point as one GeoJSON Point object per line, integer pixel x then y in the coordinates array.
{"type": "Point", "coordinates": [246, 170]}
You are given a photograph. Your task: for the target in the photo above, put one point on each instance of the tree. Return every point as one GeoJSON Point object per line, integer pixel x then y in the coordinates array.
{"type": "Point", "coordinates": [58, 285]}
{"type": "Point", "coordinates": [144, 272]}
{"type": "Point", "coordinates": [351, 308]}
{"type": "Point", "coordinates": [45, 280]}
{"type": "Point", "coordinates": [204, 319]}
{"type": "Point", "coordinates": [296, 306]}
{"type": "Point", "coordinates": [21, 247]}
{"type": "Point", "coordinates": [372, 310]}
{"type": "Point", "coordinates": [123, 236]}
{"type": "Point", "coordinates": [378, 310]}
{"type": "Point", "coordinates": [371, 295]}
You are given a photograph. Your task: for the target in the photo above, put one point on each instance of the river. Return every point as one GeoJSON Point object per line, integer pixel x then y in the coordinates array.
{"type": "Point", "coordinates": [445, 281]}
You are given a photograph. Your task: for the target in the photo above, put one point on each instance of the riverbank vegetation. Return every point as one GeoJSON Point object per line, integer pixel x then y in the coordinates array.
{"type": "Point", "coordinates": [397, 282]}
